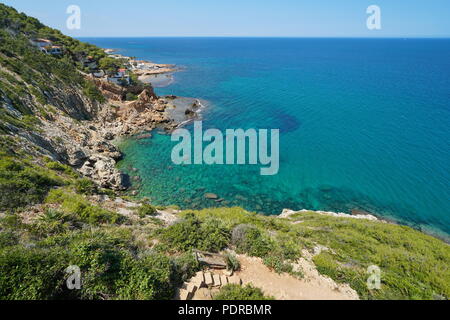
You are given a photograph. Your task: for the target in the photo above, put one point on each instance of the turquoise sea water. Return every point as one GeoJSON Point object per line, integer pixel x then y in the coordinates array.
{"type": "Point", "coordinates": [365, 124]}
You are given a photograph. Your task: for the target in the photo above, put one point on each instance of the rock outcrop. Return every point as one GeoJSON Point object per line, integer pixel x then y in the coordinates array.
{"type": "Point", "coordinates": [286, 214]}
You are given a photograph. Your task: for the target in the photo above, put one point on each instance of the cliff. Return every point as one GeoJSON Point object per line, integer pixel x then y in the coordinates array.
{"type": "Point", "coordinates": [53, 109]}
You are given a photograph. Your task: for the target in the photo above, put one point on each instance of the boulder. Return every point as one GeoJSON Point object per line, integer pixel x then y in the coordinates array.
{"type": "Point", "coordinates": [211, 196]}
{"type": "Point", "coordinates": [77, 158]}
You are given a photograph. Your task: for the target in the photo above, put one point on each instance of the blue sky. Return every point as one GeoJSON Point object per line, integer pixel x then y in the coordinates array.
{"type": "Point", "coordinates": [270, 18]}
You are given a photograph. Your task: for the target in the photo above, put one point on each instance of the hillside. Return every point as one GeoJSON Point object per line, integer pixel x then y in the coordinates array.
{"type": "Point", "coordinates": [63, 202]}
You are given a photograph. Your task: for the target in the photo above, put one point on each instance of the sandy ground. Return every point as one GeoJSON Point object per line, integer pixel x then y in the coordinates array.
{"type": "Point", "coordinates": [286, 287]}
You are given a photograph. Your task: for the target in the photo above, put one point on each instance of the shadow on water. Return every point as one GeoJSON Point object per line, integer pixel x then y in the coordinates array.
{"type": "Point", "coordinates": [287, 123]}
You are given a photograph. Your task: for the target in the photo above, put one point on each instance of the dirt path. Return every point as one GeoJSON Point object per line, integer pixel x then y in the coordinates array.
{"type": "Point", "coordinates": [286, 287]}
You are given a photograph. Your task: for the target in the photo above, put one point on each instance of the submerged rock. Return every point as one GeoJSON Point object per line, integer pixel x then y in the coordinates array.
{"type": "Point", "coordinates": [211, 196]}
{"type": "Point", "coordinates": [144, 136]}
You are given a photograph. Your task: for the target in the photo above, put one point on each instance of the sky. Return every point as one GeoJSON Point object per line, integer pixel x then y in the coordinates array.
{"type": "Point", "coordinates": [243, 18]}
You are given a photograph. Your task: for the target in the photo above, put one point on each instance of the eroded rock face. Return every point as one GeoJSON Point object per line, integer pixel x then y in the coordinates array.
{"type": "Point", "coordinates": [79, 132]}
{"type": "Point", "coordinates": [117, 93]}
{"type": "Point", "coordinates": [87, 145]}
{"type": "Point", "coordinates": [77, 158]}
{"type": "Point", "coordinates": [144, 114]}
{"type": "Point", "coordinates": [103, 171]}
{"type": "Point", "coordinates": [80, 144]}
{"type": "Point", "coordinates": [110, 90]}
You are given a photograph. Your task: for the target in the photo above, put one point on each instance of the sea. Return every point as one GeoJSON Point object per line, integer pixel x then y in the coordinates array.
{"type": "Point", "coordinates": [364, 125]}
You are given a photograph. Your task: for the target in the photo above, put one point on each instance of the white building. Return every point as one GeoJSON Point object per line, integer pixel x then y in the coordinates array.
{"type": "Point", "coordinates": [42, 44]}
{"type": "Point", "coordinates": [47, 46]}
{"type": "Point", "coordinates": [99, 74]}
{"type": "Point", "coordinates": [120, 78]}
{"type": "Point", "coordinates": [56, 50]}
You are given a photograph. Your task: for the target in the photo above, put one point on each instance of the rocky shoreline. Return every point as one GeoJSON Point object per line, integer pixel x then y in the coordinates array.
{"type": "Point", "coordinates": [287, 213]}
{"type": "Point", "coordinates": [80, 132]}
{"type": "Point", "coordinates": [122, 119]}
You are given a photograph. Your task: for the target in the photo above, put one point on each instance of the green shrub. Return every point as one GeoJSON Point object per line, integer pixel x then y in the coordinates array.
{"type": "Point", "coordinates": [250, 240]}
{"type": "Point", "coordinates": [75, 204]}
{"type": "Point", "coordinates": [131, 97]}
{"type": "Point", "coordinates": [191, 233]}
{"type": "Point", "coordinates": [150, 278]}
{"type": "Point", "coordinates": [102, 261]}
{"type": "Point", "coordinates": [23, 184]}
{"type": "Point", "coordinates": [92, 92]}
{"type": "Point", "coordinates": [59, 167]}
{"type": "Point", "coordinates": [8, 238]}
{"type": "Point", "coordinates": [85, 186]}
{"type": "Point", "coordinates": [146, 210]}
{"type": "Point", "coordinates": [186, 266]}
{"type": "Point", "coordinates": [31, 273]}
{"type": "Point", "coordinates": [233, 263]}
{"type": "Point", "coordinates": [54, 222]}
{"type": "Point", "coordinates": [235, 292]}
{"type": "Point", "coordinates": [277, 264]}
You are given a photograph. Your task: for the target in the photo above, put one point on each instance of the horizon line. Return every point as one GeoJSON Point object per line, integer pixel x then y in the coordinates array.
{"type": "Point", "coordinates": [272, 37]}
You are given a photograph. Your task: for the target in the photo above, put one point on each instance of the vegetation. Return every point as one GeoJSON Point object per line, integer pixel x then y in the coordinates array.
{"type": "Point", "coordinates": [233, 263]}
{"type": "Point", "coordinates": [131, 97]}
{"type": "Point", "coordinates": [146, 210]}
{"type": "Point", "coordinates": [413, 265]}
{"type": "Point", "coordinates": [236, 292]}
{"type": "Point", "coordinates": [119, 261]}
{"type": "Point", "coordinates": [85, 186]}
{"type": "Point", "coordinates": [107, 260]}
{"type": "Point", "coordinates": [59, 167]}
{"type": "Point", "coordinates": [92, 92]}
{"type": "Point", "coordinates": [72, 203]}
{"type": "Point", "coordinates": [192, 233]}
{"type": "Point", "coordinates": [250, 240]}
{"type": "Point", "coordinates": [23, 184]}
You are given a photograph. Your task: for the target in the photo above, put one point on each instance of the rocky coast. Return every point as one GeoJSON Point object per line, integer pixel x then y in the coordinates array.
{"type": "Point", "coordinates": [121, 119]}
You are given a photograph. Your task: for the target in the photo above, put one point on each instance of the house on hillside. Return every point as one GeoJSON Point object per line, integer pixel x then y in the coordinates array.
{"type": "Point", "coordinates": [121, 73]}
{"type": "Point", "coordinates": [90, 62]}
{"type": "Point", "coordinates": [56, 50]}
{"type": "Point", "coordinates": [98, 73]}
{"type": "Point", "coordinates": [42, 44]}
{"type": "Point", "coordinates": [47, 47]}
{"type": "Point", "coordinates": [120, 78]}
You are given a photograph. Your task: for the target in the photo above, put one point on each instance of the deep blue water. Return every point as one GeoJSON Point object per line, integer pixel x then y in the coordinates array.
{"type": "Point", "coordinates": [365, 124]}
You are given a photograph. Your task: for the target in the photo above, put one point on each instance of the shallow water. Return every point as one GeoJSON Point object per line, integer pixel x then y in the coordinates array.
{"type": "Point", "coordinates": [158, 80]}
{"type": "Point", "coordinates": [364, 124]}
